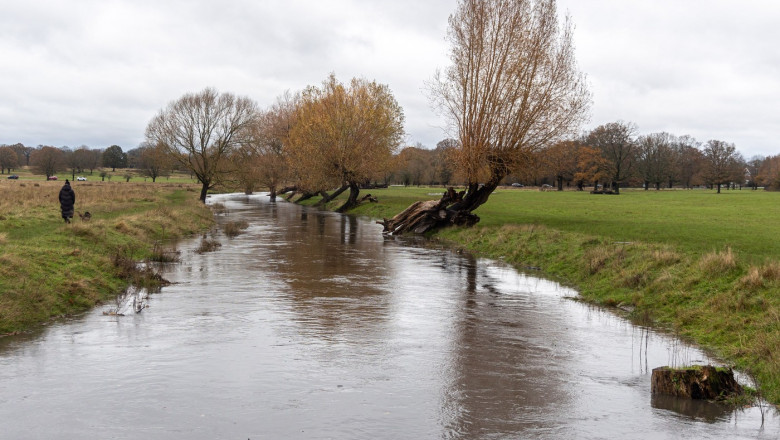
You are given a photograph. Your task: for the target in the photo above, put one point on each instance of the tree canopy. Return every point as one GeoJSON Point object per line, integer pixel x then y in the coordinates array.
{"type": "Point", "coordinates": [201, 130]}
{"type": "Point", "coordinates": [513, 87]}
{"type": "Point", "coordinates": [344, 135]}
{"type": "Point", "coordinates": [114, 157]}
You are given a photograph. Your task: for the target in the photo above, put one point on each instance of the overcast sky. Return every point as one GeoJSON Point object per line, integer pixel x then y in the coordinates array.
{"type": "Point", "coordinates": [94, 73]}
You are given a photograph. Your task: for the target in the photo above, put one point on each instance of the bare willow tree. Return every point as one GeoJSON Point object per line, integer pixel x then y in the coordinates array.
{"type": "Point", "coordinates": [719, 160]}
{"type": "Point", "coordinates": [617, 143]}
{"type": "Point", "coordinates": [513, 88]}
{"type": "Point", "coordinates": [153, 161]}
{"type": "Point", "coordinates": [655, 159]}
{"type": "Point", "coordinates": [201, 130]}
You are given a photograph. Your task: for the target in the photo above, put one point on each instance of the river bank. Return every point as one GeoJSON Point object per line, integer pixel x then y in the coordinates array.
{"type": "Point", "coordinates": [50, 269]}
{"type": "Point", "coordinates": [723, 299]}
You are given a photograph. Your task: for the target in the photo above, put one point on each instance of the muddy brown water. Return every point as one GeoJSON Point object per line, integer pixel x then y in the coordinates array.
{"type": "Point", "coordinates": [311, 325]}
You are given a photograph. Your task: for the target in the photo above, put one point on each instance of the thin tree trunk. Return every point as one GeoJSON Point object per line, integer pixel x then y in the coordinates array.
{"type": "Point", "coordinates": [204, 189]}
{"type": "Point", "coordinates": [327, 198]}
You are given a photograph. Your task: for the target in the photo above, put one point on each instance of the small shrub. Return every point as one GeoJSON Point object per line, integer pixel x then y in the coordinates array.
{"type": "Point", "coordinates": [635, 280]}
{"type": "Point", "coordinates": [233, 229]}
{"type": "Point", "coordinates": [137, 275]}
{"type": "Point", "coordinates": [162, 255]}
{"type": "Point", "coordinates": [597, 258]}
{"type": "Point", "coordinates": [208, 245]}
{"type": "Point", "coordinates": [219, 208]}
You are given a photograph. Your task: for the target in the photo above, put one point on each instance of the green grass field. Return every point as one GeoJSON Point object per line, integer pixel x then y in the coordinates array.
{"type": "Point", "coordinates": [703, 266]}
{"type": "Point", "coordinates": [693, 220]}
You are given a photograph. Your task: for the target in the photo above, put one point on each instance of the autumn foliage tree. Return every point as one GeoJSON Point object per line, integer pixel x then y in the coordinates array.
{"type": "Point", "coordinates": [269, 143]}
{"type": "Point", "coordinates": [344, 135]}
{"type": "Point", "coordinates": [47, 161]}
{"type": "Point", "coordinates": [560, 161]}
{"type": "Point", "coordinates": [513, 87]}
{"type": "Point", "coordinates": [591, 167]}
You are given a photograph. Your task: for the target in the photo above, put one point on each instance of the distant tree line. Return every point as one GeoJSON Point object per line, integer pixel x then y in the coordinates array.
{"type": "Point", "coordinates": [271, 151]}
{"type": "Point", "coordinates": [48, 161]}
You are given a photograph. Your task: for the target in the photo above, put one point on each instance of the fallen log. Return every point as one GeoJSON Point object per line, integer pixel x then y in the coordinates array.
{"type": "Point", "coordinates": [369, 198]}
{"type": "Point", "coordinates": [696, 382]}
{"type": "Point", "coordinates": [423, 216]}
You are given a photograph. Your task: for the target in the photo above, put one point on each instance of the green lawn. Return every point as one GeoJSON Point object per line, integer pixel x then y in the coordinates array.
{"type": "Point", "coordinates": [692, 220]}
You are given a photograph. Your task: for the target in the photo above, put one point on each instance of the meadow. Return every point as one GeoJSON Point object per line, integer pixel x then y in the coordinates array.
{"type": "Point", "coordinates": [49, 268]}
{"type": "Point", "coordinates": [694, 220]}
{"type": "Point", "coordinates": [703, 266]}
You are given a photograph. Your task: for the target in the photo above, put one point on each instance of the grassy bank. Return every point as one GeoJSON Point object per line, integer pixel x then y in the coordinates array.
{"type": "Point", "coordinates": [49, 268]}
{"type": "Point", "coordinates": [702, 265]}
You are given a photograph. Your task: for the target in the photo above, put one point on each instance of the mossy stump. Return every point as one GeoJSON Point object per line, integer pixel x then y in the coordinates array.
{"type": "Point", "coordinates": [697, 382]}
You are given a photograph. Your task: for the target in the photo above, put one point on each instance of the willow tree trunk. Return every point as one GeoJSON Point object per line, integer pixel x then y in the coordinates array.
{"type": "Point", "coordinates": [453, 209]}
{"type": "Point", "coordinates": [352, 200]}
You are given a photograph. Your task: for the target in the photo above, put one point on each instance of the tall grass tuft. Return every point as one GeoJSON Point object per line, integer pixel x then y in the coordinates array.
{"type": "Point", "coordinates": [596, 258]}
{"type": "Point", "coordinates": [665, 257]}
{"type": "Point", "coordinates": [208, 245]}
{"type": "Point", "coordinates": [717, 263]}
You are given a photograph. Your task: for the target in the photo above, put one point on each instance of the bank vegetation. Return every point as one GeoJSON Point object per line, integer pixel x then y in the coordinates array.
{"type": "Point", "coordinates": [49, 268]}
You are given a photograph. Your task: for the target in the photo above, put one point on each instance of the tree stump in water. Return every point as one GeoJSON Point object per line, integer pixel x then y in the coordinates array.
{"type": "Point", "coordinates": [698, 382]}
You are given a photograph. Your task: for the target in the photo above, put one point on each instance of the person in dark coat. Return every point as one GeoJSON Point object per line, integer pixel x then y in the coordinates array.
{"type": "Point", "coordinates": [67, 200]}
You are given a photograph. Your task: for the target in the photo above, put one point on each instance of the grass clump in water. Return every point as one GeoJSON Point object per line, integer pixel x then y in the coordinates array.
{"type": "Point", "coordinates": [235, 228]}
{"type": "Point", "coordinates": [208, 245]}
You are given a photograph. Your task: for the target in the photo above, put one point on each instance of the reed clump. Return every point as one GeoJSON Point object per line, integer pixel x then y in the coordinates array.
{"type": "Point", "coordinates": [234, 228]}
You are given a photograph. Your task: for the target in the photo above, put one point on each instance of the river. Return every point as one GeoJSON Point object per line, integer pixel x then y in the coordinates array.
{"type": "Point", "coordinates": [312, 325]}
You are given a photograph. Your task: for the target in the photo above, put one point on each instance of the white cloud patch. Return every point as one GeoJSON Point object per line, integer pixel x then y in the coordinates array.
{"type": "Point", "coordinates": [95, 72]}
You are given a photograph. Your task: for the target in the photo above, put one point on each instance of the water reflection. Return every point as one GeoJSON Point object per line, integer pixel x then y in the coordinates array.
{"type": "Point", "coordinates": [693, 409]}
{"type": "Point", "coordinates": [313, 325]}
